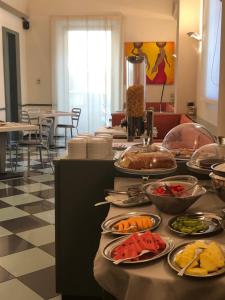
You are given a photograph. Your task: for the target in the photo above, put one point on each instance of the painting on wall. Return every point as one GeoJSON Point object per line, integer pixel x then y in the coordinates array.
{"type": "Point", "coordinates": [159, 60]}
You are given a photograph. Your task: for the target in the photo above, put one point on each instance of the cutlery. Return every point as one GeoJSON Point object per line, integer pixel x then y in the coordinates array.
{"type": "Point", "coordinates": [118, 261]}
{"type": "Point", "coordinates": [198, 251]}
{"type": "Point", "coordinates": [124, 201]}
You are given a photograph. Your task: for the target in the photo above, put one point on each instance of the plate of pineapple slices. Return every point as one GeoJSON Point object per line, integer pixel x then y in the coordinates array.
{"type": "Point", "coordinates": [209, 263]}
{"type": "Point", "coordinates": [131, 222]}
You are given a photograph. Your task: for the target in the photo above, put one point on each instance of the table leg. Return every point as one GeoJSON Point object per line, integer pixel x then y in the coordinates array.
{"type": "Point", "coordinates": [3, 142]}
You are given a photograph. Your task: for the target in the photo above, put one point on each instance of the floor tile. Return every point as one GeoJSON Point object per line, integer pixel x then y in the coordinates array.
{"type": "Point", "coordinates": [9, 192]}
{"type": "Point", "coordinates": [4, 276]}
{"type": "Point", "coordinates": [47, 171]}
{"type": "Point", "coordinates": [42, 282]}
{"type": "Point", "coordinates": [36, 207]}
{"type": "Point", "coordinates": [49, 248]}
{"type": "Point", "coordinates": [12, 244]}
{"type": "Point", "coordinates": [4, 232]}
{"type": "Point", "coordinates": [3, 204]}
{"type": "Point", "coordinates": [20, 199]}
{"type": "Point", "coordinates": [27, 261]}
{"type": "Point", "coordinates": [11, 213]}
{"type": "Point", "coordinates": [34, 187]}
{"type": "Point", "coordinates": [42, 168]}
{"type": "Point", "coordinates": [39, 236]}
{"type": "Point", "coordinates": [19, 181]}
{"type": "Point", "coordinates": [45, 194]}
{"type": "Point", "coordinates": [16, 290]}
{"type": "Point", "coordinates": [50, 183]}
{"type": "Point", "coordinates": [42, 178]}
{"type": "Point", "coordinates": [48, 216]}
{"type": "Point", "coordinates": [56, 298]}
{"type": "Point", "coordinates": [23, 224]}
{"type": "Point", "coordinates": [52, 200]}
{"type": "Point", "coordinates": [3, 185]}
{"type": "Point", "coordinates": [33, 162]}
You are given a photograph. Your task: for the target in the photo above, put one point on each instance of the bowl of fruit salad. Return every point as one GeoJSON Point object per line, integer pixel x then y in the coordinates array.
{"type": "Point", "coordinates": [174, 194]}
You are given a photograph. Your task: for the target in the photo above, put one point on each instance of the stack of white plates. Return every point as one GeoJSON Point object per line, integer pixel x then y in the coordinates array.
{"type": "Point", "coordinates": [77, 148]}
{"type": "Point", "coordinates": [97, 148]}
{"type": "Point", "coordinates": [109, 139]}
{"type": "Point", "coordinates": [85, 134]}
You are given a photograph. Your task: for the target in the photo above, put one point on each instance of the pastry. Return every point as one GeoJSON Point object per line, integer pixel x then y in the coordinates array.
{"type": "Point", "coordinates": [144, 160]}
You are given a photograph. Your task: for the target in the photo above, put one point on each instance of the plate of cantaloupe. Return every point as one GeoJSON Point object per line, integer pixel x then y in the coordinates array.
{"type": "Point", "coordinates": [131, 222]}
{"type": "Point", "coordinates": [210, 262]}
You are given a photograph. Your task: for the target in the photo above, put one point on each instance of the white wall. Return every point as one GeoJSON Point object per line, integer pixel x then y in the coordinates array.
{"type": "Point", "coordinates": [221, 103]}
{"type": "Point", "coordinates": [13, 23]}
{"type": "Point", "coordinates": [187, 53]}
{"type": "Point", "coordinates": [145, 20]}
{"type": "Point", "coordinates": [21, 5]}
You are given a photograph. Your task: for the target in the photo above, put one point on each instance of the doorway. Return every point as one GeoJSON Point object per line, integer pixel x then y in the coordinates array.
{"type": "Point", "coordinates": [11, 58]}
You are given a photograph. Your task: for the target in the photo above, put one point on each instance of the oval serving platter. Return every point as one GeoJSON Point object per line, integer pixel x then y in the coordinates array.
{"type": "Point", "coordinates": [179, 248]}
{"type": "Point", "coordinates": [212, 223]}
{"type": "Point", "coordinates": [108, 249]}
{"type": "Point", "coordinates": [144, 172]}
{"type": "Point", "coordinates": [126, 201]}
{"type": "Point", "coordinates": [107, 225]}
{"type": "Point", "coordinates": [197, 169]}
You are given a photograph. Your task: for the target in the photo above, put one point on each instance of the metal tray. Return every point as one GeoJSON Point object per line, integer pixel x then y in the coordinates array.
{"type": "Point", "coordinates": [179, 248]}
{"type": "Point", "coordinates": [197, 169]}
{"type": "Point", "coordinates": [116, 242]}
{"type": "Point", "coordinates": [216, 171]}
{"type": "Point", "coordinates": [107, 225]}
{"type": "Point", "coordinates": [212, 222]}
{"type": "Point", "coordinates": [144, 172]}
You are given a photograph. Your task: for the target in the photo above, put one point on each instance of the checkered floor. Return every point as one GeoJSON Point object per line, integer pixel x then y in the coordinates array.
{"type": "Point", "coordinates": [27, 233]}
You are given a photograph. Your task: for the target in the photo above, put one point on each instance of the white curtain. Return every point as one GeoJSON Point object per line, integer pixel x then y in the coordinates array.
{"type": "Point", "coordinates": [87, 67]}
{"type": "Point", "coordinates": [212, 10]}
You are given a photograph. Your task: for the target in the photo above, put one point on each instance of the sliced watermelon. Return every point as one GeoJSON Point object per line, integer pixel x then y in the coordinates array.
{"type": "Point", "coordinates": [133, 246]}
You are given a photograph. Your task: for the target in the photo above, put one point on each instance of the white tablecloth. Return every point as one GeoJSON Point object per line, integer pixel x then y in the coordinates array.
{"type": "Point", "coordinates": [156, 280]}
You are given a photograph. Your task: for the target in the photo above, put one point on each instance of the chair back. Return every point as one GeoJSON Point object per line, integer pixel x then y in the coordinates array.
{"type": "Point", "coordinates": [76, 116]}
{"type": "Point", "coordinates": [45, 130]}
{"type": "Point", "coordinates": [25, 117]}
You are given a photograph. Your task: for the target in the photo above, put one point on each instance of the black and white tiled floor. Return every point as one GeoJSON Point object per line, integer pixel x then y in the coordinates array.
{"type": "Point", "coordinates": [27, 235]}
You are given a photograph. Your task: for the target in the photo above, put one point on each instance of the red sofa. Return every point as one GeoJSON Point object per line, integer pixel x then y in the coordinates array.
{"type": "Point", "coordinates": [164, 121]}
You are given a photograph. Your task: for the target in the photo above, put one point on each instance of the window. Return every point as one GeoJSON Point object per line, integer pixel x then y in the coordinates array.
{"type": "Point", "coordinates": [211, 47]}
{"type": "Point", "coordinates": [87, 68]}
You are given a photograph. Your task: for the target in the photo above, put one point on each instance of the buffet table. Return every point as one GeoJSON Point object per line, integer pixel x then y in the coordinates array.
{"type": "Point", "coordinates": [156, 280]}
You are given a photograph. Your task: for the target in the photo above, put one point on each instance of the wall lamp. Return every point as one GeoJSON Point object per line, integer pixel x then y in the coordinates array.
{"type": "Point", "coordinates": [194, 35]}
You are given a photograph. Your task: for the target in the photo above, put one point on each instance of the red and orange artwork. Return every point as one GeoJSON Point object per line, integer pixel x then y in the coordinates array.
{"type": "Point", "coordinates": [159, 60]}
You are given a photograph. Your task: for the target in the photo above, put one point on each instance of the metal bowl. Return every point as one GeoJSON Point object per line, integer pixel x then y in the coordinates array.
{"type": "Point", "coordinates": [218, 183]}
{"type": "Point", "coordinates": [172, 204]}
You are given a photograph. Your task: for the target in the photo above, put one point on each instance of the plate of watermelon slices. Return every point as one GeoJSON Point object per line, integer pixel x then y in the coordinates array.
{"type": "Point", "coordinates": [129, 248]}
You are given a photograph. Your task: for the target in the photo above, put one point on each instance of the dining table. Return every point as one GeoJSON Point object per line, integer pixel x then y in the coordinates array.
{"type": "Point", "coordinates": [156, 280]}
{"type": "Point", "coordinates": [5, 128]}
{"type": "Point", "coordinates": [54, 114]}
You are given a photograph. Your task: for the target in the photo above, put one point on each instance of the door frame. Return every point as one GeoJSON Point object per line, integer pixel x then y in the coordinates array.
{"type": "Point", "coordinates": [5, 31]}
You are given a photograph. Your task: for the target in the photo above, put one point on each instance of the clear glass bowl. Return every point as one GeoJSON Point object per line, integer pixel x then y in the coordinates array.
{"type": "Point", "coordinates": [175, 194]}
{"type": "Point", "coordinates": [185, 138]}
{"type": "Point", "coordinates": [150, 157]}
{"type": "Point", "coordinates": [208, 155]}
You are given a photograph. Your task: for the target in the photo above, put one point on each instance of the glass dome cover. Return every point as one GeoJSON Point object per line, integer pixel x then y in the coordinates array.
{"type": "Point", "coordinates": [147, 157]}
{"type": "Point", "coordinates": [208, 155]}
{"type": "Point", "coordinates": [185, 138]}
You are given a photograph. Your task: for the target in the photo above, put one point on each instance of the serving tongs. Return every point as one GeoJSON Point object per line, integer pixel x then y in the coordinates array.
{"type": "Point", "coordinates": [134, 193]}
